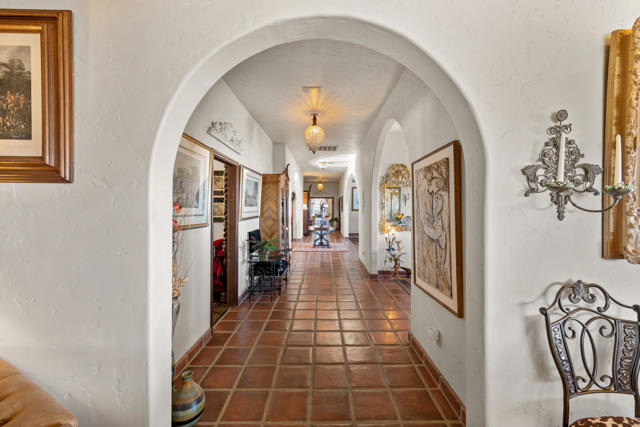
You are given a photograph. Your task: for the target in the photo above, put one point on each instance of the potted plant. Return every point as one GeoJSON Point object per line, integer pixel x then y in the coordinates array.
{"type": "Point", "coordinates": [333, 221]}
{"type": "Point", "coordinates": [264, 247]}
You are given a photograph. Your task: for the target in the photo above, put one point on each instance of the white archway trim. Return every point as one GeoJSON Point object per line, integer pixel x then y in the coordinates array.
{"type": "Point", "coordinates": [185, 100]}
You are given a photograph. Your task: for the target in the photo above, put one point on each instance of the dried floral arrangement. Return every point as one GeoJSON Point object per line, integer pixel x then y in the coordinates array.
{"type": "Point", "coordinates": [178, 275]}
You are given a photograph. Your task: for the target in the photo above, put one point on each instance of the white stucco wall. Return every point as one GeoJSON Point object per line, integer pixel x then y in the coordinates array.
{"type": "Point", "coordinates": [220, 103]}
{"type": "Point", "coordinates": [394, 150]}
{"type": "Point", "coordinates": [425, 125]}
{"type": "Point", "coordinates": [84, 304]}
{"type": "Point", "coordinates": [282, 156]}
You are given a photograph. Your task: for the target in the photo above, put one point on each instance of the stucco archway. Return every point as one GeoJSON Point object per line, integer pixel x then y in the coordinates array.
{"type": "Point", "coordinates": [193, 87]}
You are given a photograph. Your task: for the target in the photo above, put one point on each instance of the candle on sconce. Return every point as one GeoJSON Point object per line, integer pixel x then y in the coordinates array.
{"type": "Point", "coordinates": [617, 167]}
{"type": "Point", "coordinates": [561, 154]}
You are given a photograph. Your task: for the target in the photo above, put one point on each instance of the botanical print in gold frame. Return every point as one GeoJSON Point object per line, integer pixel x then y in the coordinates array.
{"type": "Point", "coordinates": [192, 182]}
{"type": "Point", "coordinates": [621, 225]}
{"type": "Point", "coordinates": [437, 225]}
{"type": "Point", "coordinates": [36, 96]}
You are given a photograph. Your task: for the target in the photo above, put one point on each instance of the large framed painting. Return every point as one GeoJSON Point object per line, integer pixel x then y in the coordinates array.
{"type": "Point", "coordinates": [36, 96]}
{"type": "Point", "coordinates": [355, 202]}
{"type": "Point", "coordinates": [192, 182]}
{"type": "Point", "coordinates": [437, 224]}
{"type": "Point", "coordinates": [250, 193]}
{"type": "Point", "coordinates": [621, 225]}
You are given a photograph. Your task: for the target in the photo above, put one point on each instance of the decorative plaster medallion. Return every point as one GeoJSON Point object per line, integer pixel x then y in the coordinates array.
{"type": "Point", "coordinates": [227, 134]}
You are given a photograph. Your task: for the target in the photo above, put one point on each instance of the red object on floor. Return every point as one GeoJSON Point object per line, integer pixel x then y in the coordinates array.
{"type": "Point", "coordinates": [218, 265]}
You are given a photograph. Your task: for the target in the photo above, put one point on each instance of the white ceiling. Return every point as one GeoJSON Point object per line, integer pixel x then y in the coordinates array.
{"type": "Point", "coordinates": [354, 81]}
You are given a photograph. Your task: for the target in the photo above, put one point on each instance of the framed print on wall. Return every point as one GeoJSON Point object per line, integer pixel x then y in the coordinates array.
{"type": "Point", "coordinates": [437, 225]}
{"type": "Point", "coordinates": [191, 182]}
{"type": "Point", "coordinates": [250, 193]}
{"type": "Point", "coordinates": [355, 202]}
{"type": "Point", "coordinates": [36, 96]}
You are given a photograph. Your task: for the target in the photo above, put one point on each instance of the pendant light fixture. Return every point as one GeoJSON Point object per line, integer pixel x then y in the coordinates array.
{"type": "Point", "coordinates": [320, 186]}
{"type": "Point", "coordinates": [314, 135]}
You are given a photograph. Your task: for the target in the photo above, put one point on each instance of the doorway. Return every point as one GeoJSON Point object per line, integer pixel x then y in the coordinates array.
{"type": "Point", "coordinates": [224, 236]}
{"type": "Point", "coordinates": [343, 28]}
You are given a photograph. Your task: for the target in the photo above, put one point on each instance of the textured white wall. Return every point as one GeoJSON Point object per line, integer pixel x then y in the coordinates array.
{"type": "Point", "coordinates": [282, 156]}
{"type": "Point", "coordinates": [84, 269]}
{"type": "Point", "coordinates": [220, 103]}
{"type": "Point", "coordinates": [394, 150]}
{"type": "Point", "coordinates": [425, 125]}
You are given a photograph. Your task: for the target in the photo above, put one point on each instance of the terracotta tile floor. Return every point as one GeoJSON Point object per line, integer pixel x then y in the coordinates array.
{"type": "Point", "coordinates": [332, 349]}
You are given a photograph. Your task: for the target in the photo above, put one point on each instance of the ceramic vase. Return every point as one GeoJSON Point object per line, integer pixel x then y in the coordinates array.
{"type": "Point", "coordinates": [187, 402]}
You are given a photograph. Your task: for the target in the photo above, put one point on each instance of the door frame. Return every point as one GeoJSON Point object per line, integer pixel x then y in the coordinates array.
{"type": "Point", "coordinates": [231, 231]}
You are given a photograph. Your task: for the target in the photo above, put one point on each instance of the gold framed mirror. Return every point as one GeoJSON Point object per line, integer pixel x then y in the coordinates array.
{"type": "Point", "coordinates": [395, 199]}
{"type": "Point", "coordinates": [621, 225]}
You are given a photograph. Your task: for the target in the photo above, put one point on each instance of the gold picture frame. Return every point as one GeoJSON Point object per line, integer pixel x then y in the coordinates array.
{"type": "Point", "coordinates": [192, 173]}
{"type": "Point", "coordinates": [36, 102]}
{"type": "Point", "coordinates": [621, 225]}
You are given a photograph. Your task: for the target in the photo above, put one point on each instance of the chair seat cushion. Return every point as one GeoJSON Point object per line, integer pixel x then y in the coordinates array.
{"type": "Point", "coordinates": [607, 422]}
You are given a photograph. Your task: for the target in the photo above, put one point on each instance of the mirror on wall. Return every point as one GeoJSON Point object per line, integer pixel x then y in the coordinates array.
{"type": "Point", "coordinates": [395, 199]}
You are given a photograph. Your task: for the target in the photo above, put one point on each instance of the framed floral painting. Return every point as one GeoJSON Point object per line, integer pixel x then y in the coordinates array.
{"type": "Point", "coordinates": [191, 182]}
{"type": "Point", "coordinates": [437, 225]}
{"type": "Point", "coordinates": [36, 96]}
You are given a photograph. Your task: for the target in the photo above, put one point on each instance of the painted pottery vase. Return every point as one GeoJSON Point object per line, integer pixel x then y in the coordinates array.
{"type": "Point", "coordinates": [187, 402]}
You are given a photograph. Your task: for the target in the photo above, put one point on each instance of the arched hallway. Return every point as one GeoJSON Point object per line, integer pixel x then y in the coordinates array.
{"type": "Point", "coordinates": [333, 348]}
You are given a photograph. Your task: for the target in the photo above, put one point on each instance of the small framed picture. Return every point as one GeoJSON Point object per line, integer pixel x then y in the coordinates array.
{"type": "Point", "coordinates": [355, 202]}
{"type": "Point", "coordinates": [191, 182]}
{"type": "Point", "coordinates": [250, 193]}
{"type": "Point", "coordinates": [36, 96]}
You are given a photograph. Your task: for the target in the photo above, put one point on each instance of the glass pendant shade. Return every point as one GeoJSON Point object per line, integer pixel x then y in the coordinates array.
{"type": "Point", "coordinates": [320, 187]}
{"type": "Point", "coordinates": [314, 136]}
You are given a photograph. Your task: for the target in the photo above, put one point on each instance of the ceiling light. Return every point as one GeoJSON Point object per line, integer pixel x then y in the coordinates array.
{"type": "Point", "coordinates": [314, 136]}
{"type": "Point", "coordinates": [320, 186]}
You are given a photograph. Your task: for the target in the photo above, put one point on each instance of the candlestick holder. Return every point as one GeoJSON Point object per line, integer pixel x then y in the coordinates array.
{"type": "Point", "coordinates": [578, 177]}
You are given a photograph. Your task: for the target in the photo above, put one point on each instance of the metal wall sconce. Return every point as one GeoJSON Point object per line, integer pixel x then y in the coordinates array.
{"type": "Point", "coordinates": [559, 172]}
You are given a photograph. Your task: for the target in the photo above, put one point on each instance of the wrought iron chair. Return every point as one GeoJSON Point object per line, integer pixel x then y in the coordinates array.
{"type": "Point", "coordinates": [268, 276]}
{"type": "Point", "coordinates": [584, 323]}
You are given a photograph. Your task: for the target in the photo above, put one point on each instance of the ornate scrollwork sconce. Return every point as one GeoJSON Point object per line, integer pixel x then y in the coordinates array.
{"type": "Point", "coordinates": [559, 172]}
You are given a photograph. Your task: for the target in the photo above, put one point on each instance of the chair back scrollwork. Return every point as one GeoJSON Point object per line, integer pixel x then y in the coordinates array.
{"type": "Point", "coordinates": [594, 340]}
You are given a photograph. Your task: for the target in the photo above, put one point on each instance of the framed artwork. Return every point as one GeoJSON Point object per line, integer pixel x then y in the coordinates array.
{"type": "Point", "coordinates": [621, 225]}
{"type": "Point", "coordinates": [218, 180]}
{"type": "Point", "coordinates": [192, 182]}
{"type": "Point", "coordinates": [218, 209]}
{"type": "Point", "coordinates": [36, 96]}
{"type": "Point", "coordinates": [355, 202]}
{"type": "Point", "coordinates": [250, 193]}
{"type": "Point", "coordinates": [437, 225]}
{"type": "Point", "coordinates": [321, 207]}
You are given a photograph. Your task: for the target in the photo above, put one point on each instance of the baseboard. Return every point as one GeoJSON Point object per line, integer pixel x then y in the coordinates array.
{"type": "Point", "coordinates": [183, 362]}
{"type": "Point", "coordinates": [243, 297]}
{"type": "Point", "coordinates": [383, 273]}
{"type": "Point", "coordinates": [447, 390]}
